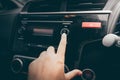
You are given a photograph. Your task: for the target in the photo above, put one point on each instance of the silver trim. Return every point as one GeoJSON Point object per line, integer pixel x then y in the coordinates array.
{"type": "Point", "coordinates": [20, 56]}
{"type": "Point", "coordinates": [47, 21]}
{"type": "Point", "coordinates": [64, 30]}
{"type": "Point", "coordinates": [21, 65]}
{"type": "Point", "coordinates": [72, 12]}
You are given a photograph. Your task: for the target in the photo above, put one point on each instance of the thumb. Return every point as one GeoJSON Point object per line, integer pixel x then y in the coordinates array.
{"type": "Point", "coordinates": [72, 74]}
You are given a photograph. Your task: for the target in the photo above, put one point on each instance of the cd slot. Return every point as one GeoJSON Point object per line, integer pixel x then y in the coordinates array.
{"type": "Point", "coordinates": [36, 21]}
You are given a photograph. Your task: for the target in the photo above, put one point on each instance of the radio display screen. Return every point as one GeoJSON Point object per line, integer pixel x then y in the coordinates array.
{"type": "Point", "coordinates": [42, 31]}
{"type": "Point", "coordinates": [91, 25]}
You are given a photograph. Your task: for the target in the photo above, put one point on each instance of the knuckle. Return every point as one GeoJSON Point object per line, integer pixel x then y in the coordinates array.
{"type": "Point", "coordinates": [32, 64]}
{"type": "Point", "coordinates": [51, 47]}
{"type": "Point", "coordinates": [42, 53]}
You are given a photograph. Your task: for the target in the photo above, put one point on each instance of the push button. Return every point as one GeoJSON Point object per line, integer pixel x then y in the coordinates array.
{"type": "Point", "coordinates": [17, 65]}
{"type": "Point", "coordinates": [88, 74]}
{"type": "Point", "coordinates": [64, 30]}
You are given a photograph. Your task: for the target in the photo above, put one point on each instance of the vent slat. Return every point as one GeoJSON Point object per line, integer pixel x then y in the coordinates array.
{"type": "Point", "coordinates": [69, 5]}
{"type": "Point", "coordinates": [44, 6]}
{"type": "Point", "coordinates": [79, 5]}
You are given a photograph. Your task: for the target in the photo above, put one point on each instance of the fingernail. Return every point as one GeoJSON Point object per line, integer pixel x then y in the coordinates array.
{"type": "Point", "coordinates": [80, 73]}
{"type": "Point", "coordinates": [64, 35]}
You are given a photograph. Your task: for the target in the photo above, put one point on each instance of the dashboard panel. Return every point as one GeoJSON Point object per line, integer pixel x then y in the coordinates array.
{"type": "Point", "coordinates": [29, 30]}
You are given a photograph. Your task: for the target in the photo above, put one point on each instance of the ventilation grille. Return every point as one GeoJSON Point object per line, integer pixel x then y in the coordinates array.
{"type": "Point", "coordinates": [65, 5]}
{"type": "Point", "coordinates": [82, 5]}
{"type": "Point", "coordinates": [44, 6]}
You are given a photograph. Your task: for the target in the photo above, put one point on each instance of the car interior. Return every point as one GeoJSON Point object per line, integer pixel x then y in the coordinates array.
{"type": "Point", "coordinates": [28, 27]}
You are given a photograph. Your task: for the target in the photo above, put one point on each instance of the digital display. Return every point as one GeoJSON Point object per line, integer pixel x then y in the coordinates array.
{"type": "Point", "coordinates": [41, 31]}
{"type": "Point", "coordinates": [91, 24]}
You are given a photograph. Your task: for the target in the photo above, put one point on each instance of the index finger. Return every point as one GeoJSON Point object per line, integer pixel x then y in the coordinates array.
{"type": "Point", "coordinates": [62, 45]}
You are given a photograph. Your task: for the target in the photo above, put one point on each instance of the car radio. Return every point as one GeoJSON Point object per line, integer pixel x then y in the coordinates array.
{"type": "Point", "coordinates": [34, 31]}
{"type": "Point", "coordinates": [42, 29]}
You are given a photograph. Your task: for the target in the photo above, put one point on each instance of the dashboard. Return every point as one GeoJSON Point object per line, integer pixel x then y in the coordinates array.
{"type": "Point", "coordinates": [29, 27]}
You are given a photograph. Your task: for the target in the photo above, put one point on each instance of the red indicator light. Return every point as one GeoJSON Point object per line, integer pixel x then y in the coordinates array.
{"type": "Point", "coordinates": [91, 25]}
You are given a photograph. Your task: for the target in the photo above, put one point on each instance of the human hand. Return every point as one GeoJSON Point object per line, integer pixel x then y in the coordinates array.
{"type": "Point", "coordinates": [50, 65]}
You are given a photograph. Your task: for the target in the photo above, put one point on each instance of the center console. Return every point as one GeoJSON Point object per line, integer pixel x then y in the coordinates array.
{"type": "Point", "coordinates": [36, 29]}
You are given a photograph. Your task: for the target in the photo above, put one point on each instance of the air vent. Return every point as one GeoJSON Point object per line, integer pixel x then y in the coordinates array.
{"type": "Point", "coordinates": [82, 5]}
{"type": "Point", "coordinates": [44, 6]}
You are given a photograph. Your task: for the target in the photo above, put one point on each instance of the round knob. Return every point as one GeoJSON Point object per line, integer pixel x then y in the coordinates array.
{"type": "Point", "coordinates": [21, 30]}
{"type": "Point", "coordinates": [64, 30]}
{"type": "Point", "coordinates": [88, 74]}
{"type": "Point", "coordinates": [17, 65]}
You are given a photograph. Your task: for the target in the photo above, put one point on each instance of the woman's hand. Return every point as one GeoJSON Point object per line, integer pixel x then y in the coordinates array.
{"type": "Point", "coordinates": [50, 65]}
